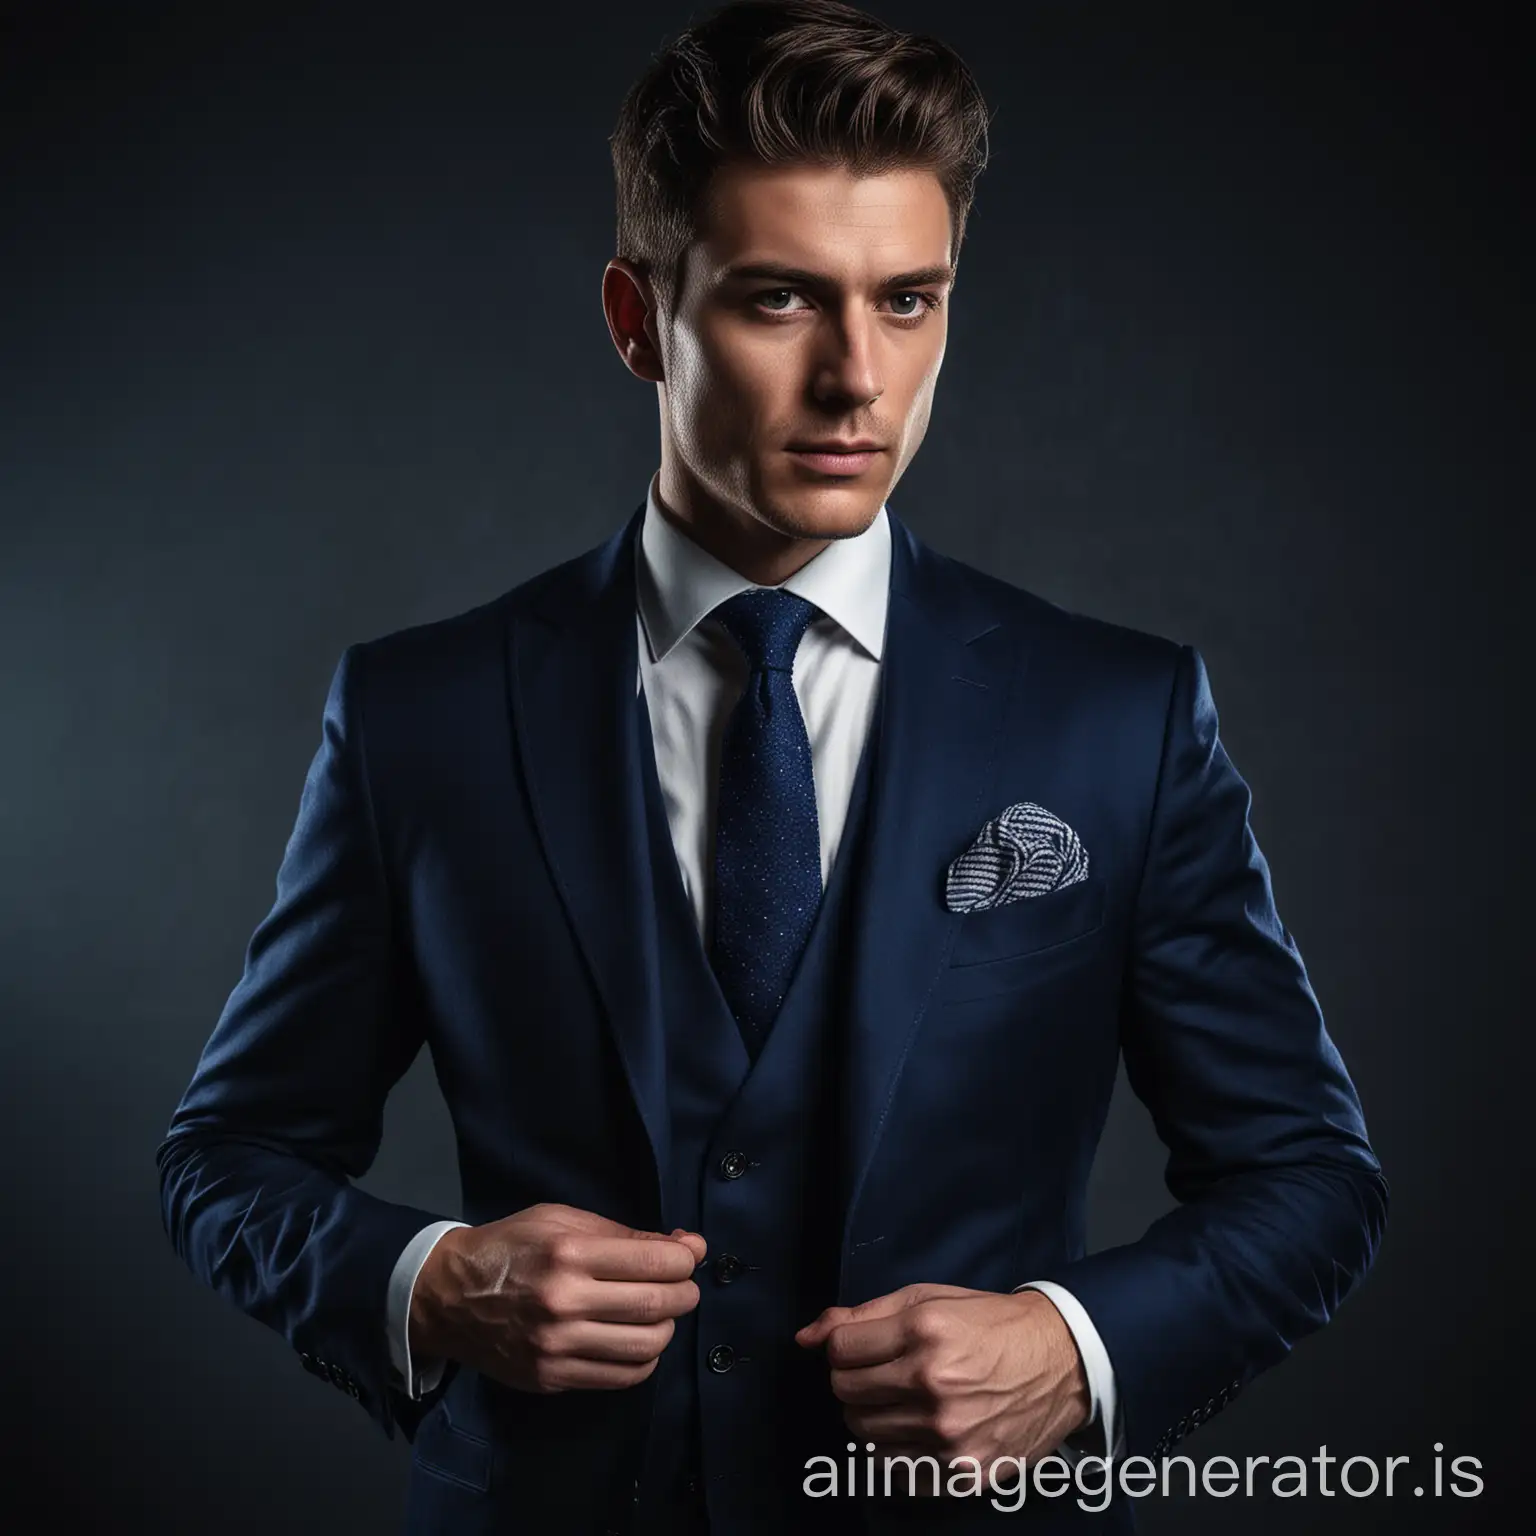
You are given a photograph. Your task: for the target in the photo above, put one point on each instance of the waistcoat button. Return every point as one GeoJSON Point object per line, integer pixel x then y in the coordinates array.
{"type": "Point", "coordinates": [728, 1268]}
{"type": "Point", "coordinates": [733, 1165]}
{"type": "Point", "coordinates": [721, 1358]}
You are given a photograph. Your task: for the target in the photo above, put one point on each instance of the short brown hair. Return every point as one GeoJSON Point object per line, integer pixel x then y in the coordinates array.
{"type": "Point", "coordinates": [780, 82]}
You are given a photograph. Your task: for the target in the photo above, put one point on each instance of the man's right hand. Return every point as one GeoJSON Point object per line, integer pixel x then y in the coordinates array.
{"type": "Point", "coordinates": [554, 1298]}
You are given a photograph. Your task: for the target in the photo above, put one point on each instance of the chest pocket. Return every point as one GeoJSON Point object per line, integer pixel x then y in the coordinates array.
{"type": "Point", "coordinates": [1029, 924]}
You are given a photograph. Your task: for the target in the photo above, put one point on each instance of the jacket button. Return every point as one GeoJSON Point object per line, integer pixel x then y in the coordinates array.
{"type": "Point", "coordinates": [733, 1165]}
{"type": "Point", "coordinates": [721, 1358]}
{"type": "Point", "coordinates": [728, 1268]}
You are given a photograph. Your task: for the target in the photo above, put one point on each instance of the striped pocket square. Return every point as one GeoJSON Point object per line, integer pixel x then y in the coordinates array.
{"type": "Point", "coordinates": [1026, 851]}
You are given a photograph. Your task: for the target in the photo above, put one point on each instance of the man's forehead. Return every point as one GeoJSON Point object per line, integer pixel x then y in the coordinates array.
{"type": "Point", "coordinates": [822, 218]}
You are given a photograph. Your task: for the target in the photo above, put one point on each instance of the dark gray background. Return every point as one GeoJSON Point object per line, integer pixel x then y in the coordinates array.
{"type": "Point", "coordinates": [302, 343]}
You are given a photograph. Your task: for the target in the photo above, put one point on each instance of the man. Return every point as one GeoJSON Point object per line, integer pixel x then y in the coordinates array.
{"type": "Point", "coordinates": [776, 898]}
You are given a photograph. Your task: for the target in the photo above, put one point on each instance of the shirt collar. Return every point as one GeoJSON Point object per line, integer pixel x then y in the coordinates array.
{"type": "Point", "coordinates": [680, 583]}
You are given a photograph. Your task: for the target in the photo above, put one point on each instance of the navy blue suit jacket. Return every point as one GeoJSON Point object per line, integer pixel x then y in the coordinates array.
{"type": "Point", "coordinates": [469, 871]}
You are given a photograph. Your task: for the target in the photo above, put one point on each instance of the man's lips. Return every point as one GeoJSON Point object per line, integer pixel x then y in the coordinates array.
{"type": "Point", "coordinates": [835, 461]}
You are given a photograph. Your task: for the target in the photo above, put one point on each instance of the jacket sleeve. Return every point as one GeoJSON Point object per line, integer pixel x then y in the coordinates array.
{"type": "Point", "coordinates": [1281, 1201]}
{"type": "Point", "coordinates": [285, 1107]}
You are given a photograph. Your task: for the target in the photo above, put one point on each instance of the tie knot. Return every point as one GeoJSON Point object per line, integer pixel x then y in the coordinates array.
{"type": "Point", "coordinates": [767, 623]}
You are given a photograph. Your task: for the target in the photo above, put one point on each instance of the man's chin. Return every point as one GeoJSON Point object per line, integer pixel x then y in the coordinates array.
{"type": "Point", "coordinates": [828, 511]}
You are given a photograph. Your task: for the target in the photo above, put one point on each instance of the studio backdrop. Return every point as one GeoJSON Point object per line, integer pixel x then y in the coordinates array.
{"type": "Point", "coordinates": [301, 343]}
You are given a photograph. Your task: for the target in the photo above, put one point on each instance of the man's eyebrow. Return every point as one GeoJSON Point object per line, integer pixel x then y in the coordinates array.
{"type": "Point", "coordinates": [772, 271]}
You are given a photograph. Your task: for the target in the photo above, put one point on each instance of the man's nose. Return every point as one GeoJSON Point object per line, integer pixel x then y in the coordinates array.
{"type": "Point", "coordinates": [848, 368]}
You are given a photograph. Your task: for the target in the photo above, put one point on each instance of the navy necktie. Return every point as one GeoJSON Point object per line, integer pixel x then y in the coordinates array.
{"type": "Point", "coordinates": [767, 844]}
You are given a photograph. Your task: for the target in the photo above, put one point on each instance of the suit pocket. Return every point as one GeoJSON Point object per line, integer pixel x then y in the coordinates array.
{"type": "Point", "coordinates": [1029, 924]}
{"type": "Point", "coordinates": [447, 1451]}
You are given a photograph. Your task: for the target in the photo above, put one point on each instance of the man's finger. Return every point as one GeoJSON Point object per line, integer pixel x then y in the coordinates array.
{"type": "Point", "coordinates": [645, 1256]}
{"type": "Point", "coordinates": [694, 1240]}
{"type": "Point", "coordinates": [885, 1381]}
{"type": "Point", "coordinates": [893, 1424]}
{"type": "Point", "coordinates": [868, 1341]}
{"type": "Point", "coordinates": [833, 1317]}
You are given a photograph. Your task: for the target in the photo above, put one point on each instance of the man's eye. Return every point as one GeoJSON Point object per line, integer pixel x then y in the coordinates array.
{"type": "Point", "coordinates": [922, 302]}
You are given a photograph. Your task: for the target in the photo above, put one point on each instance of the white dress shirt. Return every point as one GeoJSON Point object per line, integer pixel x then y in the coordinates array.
{"type": "Point", "coordinates": [692, 673]}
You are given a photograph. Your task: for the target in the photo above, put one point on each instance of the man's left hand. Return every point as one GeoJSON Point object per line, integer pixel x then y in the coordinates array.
{"type": "Point", "coordinates": [948, 1372]}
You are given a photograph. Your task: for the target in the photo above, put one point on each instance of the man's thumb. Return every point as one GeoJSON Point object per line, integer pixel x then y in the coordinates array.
{"type": "Point", "coordinates": [691, 1240]}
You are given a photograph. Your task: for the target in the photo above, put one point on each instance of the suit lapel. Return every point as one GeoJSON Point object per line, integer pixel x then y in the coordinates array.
{"type": "Point", "coordinates": [946, 677]}
{"type": "Point", "coordinates": [572, 671]}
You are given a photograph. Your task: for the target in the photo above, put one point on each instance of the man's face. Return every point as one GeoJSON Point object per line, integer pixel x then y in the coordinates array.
{"type": "Point", "coordinates": [835, 336]}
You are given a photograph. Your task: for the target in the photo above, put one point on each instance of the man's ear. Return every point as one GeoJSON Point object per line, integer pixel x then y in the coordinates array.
{"type": "Point", "coordinates": [629, 303]}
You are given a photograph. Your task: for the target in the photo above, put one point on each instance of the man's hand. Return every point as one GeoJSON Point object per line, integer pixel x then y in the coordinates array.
{"type": "Point", "coordinates": [554, 1298]}
{"type": "Point", "coordinates": [942, 1371]}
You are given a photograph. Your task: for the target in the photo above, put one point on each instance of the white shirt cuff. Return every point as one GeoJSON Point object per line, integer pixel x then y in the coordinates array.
{"type": "Point", "coordinates": [1103, 1398]}
{"type": "Point", "coordinates": [402, 1283]}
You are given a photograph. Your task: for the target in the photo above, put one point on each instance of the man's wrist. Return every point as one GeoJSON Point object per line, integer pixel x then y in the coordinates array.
{"type": "Point", "coordinates": [1067, 1368]}
{"type": "Point", "coordinates": [430, 1325]}
{"type": "Point", "coordinates": [1104, 1418]}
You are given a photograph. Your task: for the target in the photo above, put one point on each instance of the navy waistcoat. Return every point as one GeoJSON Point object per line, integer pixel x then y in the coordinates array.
{"type": "Point", "coordinates": [739, 1405]}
